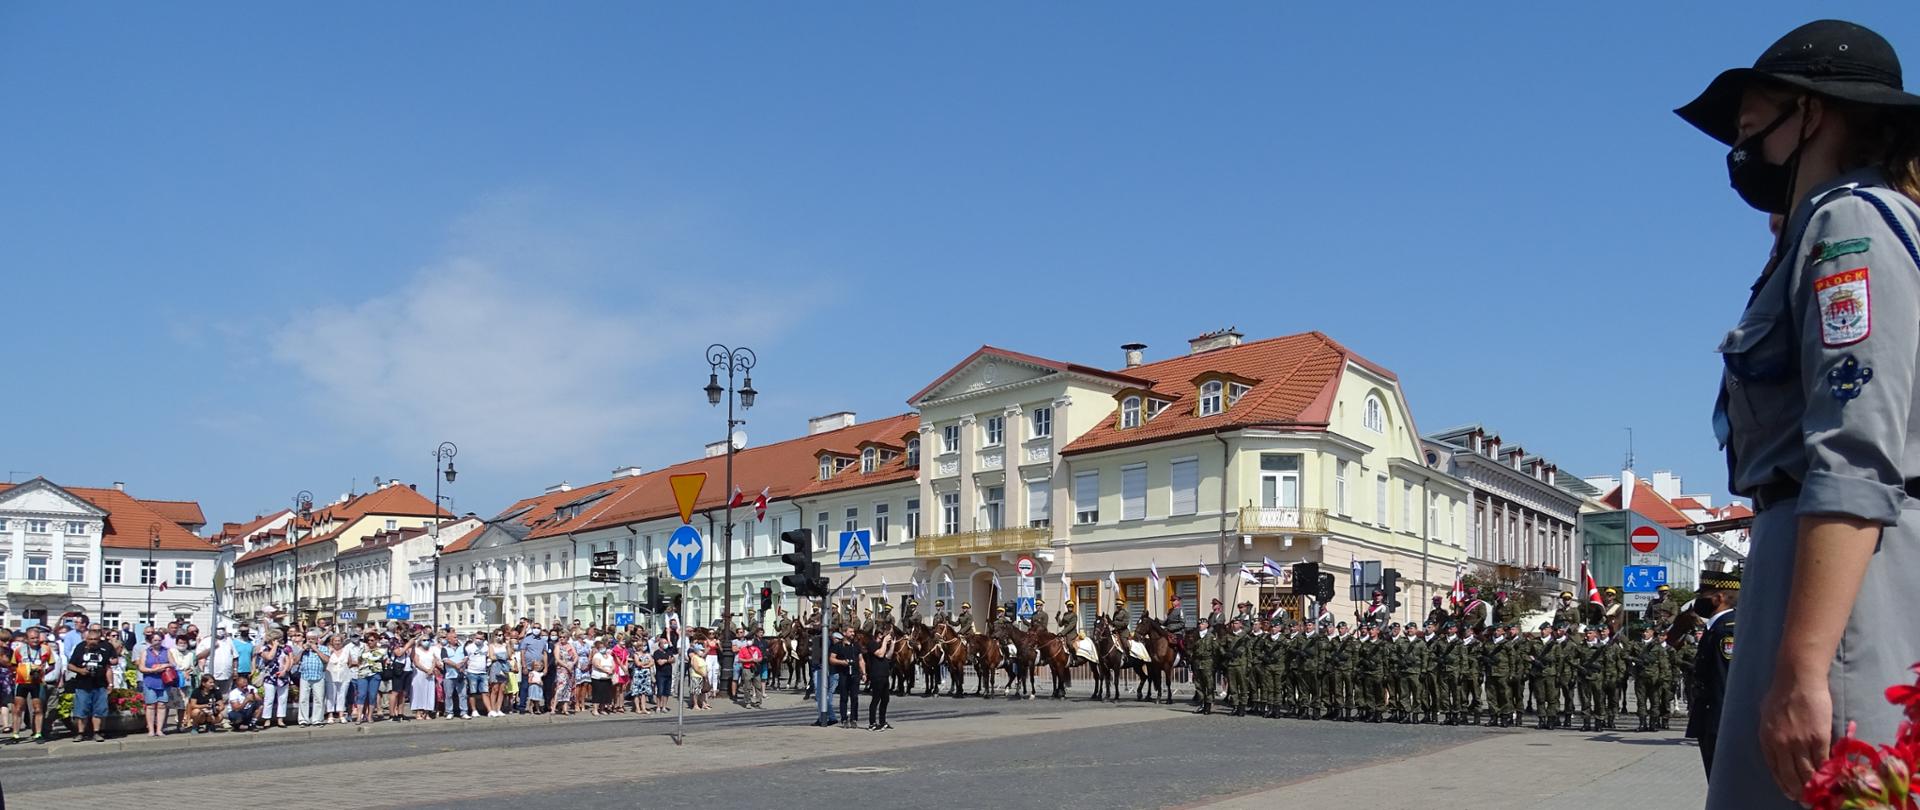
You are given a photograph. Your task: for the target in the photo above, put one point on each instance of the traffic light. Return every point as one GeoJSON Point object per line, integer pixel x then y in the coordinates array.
{"type": "Point", "coordinates": [654, 605]}
{"type": "Point", "coordinates": [805, 579]}
{"type": "Point", "coordinates": [1390, 588]}
{"type": "Point", "coordinates": [1325, 594]}
{"type": "Point", "coordinates": [1306, 578]}
{"type": "Point", "coordinates": [766, 598]}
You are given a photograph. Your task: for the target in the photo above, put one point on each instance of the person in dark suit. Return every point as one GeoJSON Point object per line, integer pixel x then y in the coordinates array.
{"type": "Point", "coordinates": [1714, 604]}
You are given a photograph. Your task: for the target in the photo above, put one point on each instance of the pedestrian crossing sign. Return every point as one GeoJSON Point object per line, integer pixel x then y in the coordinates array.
{"type": "Point", "coordinates": [856, 549]}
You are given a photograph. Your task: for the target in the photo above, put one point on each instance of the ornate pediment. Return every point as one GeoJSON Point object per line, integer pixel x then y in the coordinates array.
{"type": "Point", "coordinates": [43, 497]}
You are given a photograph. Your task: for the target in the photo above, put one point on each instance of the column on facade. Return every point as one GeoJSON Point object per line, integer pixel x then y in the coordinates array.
{"type": "Point", "coordinates": [57, 564]}
{"type": "Point", "coordinates": [969, 488]}
{"type": "Point", "coordinates": [929, 450]}
{"type": "Point", "coordinates": [1012, 434]}
{"type": "Point", "coordinates": [1061, 507]}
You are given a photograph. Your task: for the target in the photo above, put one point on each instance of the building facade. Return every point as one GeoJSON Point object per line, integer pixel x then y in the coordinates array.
{"type": "Point", "coordinates": [269, 581]}
{"type": "Point", "coordinates": [103, 553]}
{"type": "Point", "coordinates": [1521, 524]}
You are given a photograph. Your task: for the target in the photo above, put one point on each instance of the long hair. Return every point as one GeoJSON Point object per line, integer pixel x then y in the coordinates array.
{"type": "Point", "coordinates": [1887, 139]}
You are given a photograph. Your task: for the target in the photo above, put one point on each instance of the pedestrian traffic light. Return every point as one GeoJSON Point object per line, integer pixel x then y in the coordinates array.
{"type": "Point", "coordinates": [806, 573]}
{"type": "Point", "coordinates": [654, 604]}
{"type": "Point", "coordinates": [1306, 578]}
{"type": "Point", "coordinates": [766, 598]}
{"type": "Point", "coordinates": [1390, 588]}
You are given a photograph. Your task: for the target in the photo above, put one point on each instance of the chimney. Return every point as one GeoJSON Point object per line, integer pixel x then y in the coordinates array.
{"type": "Point", "coordinates": [1133, 353]}
{"type": "Point", "coordinates": [560, 487]}
{"type": "Point", "coordinates": [120, 486]}
{"type": "Point", "coordinates": [716, 449]}
{"type": "Point", "coordinates": [832, 421]}
{"type": "Point", "coordinates": [626, 472]}
{"type": "Point", "coordinates": [1222, 339]}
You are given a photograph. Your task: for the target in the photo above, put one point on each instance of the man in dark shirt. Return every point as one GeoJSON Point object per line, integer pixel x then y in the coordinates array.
{"type": "Point", "coordinates": [843, 658]}
{"type": "Point", "coordinates": [88, 667]}
{"type": "Point", "coordinates": [1719, 593]}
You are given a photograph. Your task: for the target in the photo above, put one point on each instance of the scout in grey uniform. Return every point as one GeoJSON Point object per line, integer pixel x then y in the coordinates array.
{"type": "Point", "coordinates": [1816, 408]}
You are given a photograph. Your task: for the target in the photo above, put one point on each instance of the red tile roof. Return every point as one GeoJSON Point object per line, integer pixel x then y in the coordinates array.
{"type": "Point", "coordinates": [398, 500]}
{"type": "Point", "coordinates": [1648, 504]}
{"type": "Point", "coordinates": [1684, 502]}
{"type": "Point", "coordinates": [1735, 510]}
{"type": "Point", "coordinates": [786, 469]}
{"type": "Point", "coordinates": [1297, 376]}
{"type": "Point", "coordinates": [464, 541]}
{"type": "Point", "coordinates": [185, 513]}
{"type": "Point", "coordinates": [1126, 378]}
{"type": "Point", "coordinates": [131, 521]}
{"type": "Point", "coordinates": [236, 532]}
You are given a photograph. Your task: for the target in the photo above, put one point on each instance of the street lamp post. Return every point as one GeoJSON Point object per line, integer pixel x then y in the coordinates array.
{"type": "Point", "coordinates": [445, 452]}
{"type": "Point", "coordinates": [735, 361]}
{"type": "Point", "coordinates": [303, 512]}
{"type": "Point", "coordinates": [153, 544]}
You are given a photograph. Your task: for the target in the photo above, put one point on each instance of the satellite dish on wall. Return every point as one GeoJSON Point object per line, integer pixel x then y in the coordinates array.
{"type": "Point", "coordinates": [739, 439]}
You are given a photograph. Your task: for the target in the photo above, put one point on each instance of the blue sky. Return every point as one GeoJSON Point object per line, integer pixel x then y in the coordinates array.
{"type": "Point", "coordinates": [251, 249]}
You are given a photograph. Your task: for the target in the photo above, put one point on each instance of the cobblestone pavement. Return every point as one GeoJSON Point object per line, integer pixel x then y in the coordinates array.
{"type": "Point", "coordinates": [943, 751]}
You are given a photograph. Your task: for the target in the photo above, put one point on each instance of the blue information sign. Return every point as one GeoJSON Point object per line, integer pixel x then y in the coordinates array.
{"type": "Point", "coordinates": [1644, 578]}
{"type": "Point", "coordinates": [401, 612]}
{"type": "Point", "coordinates": [622, 619]}
{"type": "Point", "coordinates": [685, 549]}
{"type": "Point", "coordinates": [856, 549]}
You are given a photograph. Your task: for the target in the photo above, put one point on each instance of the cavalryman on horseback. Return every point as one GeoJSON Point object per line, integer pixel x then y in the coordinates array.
{"type": "Point", "coordinates": [1069, 620]}
{"type": "Point", "coordinates": [1217, 619]}
{"type": "Point", "coordinates": [964, 621]}
{"type": "Point", "coordinates": [1120, 619]}
{"type": "Point", "coordinates": [1038, 622]}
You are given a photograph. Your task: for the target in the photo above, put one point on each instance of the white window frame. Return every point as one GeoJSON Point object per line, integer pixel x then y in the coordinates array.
{"type": "Point", "coordinates": [1040, 423]}
{"type": "Point", "coordinates": [76, 528]}
{"type": "Point", "coordinates": [1284, 485]}
{"type": "Point", "coordinates": [182, 567]}
{"type": "Point", "coordinates": [1130, 413]}
{"type": "Point", "coordinates": [35, 526]}
{"type": "Point", "coordinates": [949, 513]}
{"type": "Point", "coordinates": [1340, 504]}
{"type": "Point", "coordinates": [392, 524]}
{"type": "Point", "coordinates": [826, 467]}
{"type": "Point", "coordinates": [993, 508]}
{"type": "Point", "coordinates": [913, 452]}
{"type": "Point", "coordinates": [1133, 492]}
{"type": "Point", "coordinates": [994, 430]}
{"type": "Point", "coordinates": [3, 566]}
{"type": "Point", "coordinates": [42, 566]}
{"type": "Point", "coordinates": [76, 571]}
{"type": "Point", "coordinates": [1190, 467]}
{"type": "Point", "coordinates": [950, 439]}
{"type": "Point", "coordinates": [1380, 494]}
{"type": "Point", "coordinates": [1039, 503]}
{"type": "Point", "coordinates": [1372, 417]}
{"type": "Point", "coordinates": [821, 520]}
{"type": "Point", "coordinates": [853, 519]}
{"type": "Point", "coordinates": [111, 572]}
{"type": "Point", "coordinates": [869, 460]}
{"type": "Point", "coordinates": [1211, 397]}
{"type": "Point", "coordinates": [1235, 391]}
{"type": "Point", "coordinates": [1433, 519]}
{"type": "Point", "coordinates": [882, 521]}
{"type": "Point", "coordinates": [1086, 510]}
{"type": "Point", "coordinates": [913, 518]}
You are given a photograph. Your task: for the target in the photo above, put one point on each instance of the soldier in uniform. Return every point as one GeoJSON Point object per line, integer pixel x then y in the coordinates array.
{"type": "Point", "coordinates": [1204, 654]}
{"type": "Point", "coordinates": [940, 616]}
{"type": "Point", "coordinates": [1617, 659]}
{"type": "Point", "coordinates": [1370, 660]}
{"type": "Point", "coordinates": [1566, 673]}
{"type": "Point", "coordinates": [1416, 662]}
{"type": "Point", "coordinates": [1244, 614]}
{"type": "Point", "coordinates": [781, 621]}
{"type": "Point", "coordinates": [912, 617]}
{"type": "Point", "coordinates": [1069, 620]}
{"type": "Point", "coordinates": [1217, 618]}
{"type": "Point", "coordinates": [964, 621]}
{"type": "Point", "coordinates": [1037, 623]}
{"type": "Point", "coordinates": [1273, 658]}
{"type": "Point", "coordinates": [1175, 623]}
{"type": "Point", "coordinates": [1314, 658]}
{"type": "Point", "coordinates": [1500, 670]}
{"type": "Point", "coordinates": [1659, 611]}
{"type": "Point", "coordinates": [1566, 613]}
{"type": "Point", "coordinates": [1376, 612]}
{"type": "Point", "coordinates": [1466, 675]}
{"type": "Point", "coordinates": [1537, 647]}
{"type": "Point", "coordinates": [1239, 657]}
{"type": "Point", "coordinates": [1592, 671]}
{"type": "Point", "coordinates": [1611, 615]}
{"type": "Point", "coordinates": [1718, 596]}
{"type": "Point", "coordinates": [1438, 615]}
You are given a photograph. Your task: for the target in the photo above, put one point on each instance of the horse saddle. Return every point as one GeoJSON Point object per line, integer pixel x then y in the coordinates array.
{"type": "Point", "coordinates": [1012, 651]}
{"type": "Point", "coordinates": [1137, 650]}
{"type": "Point", "coordinates": [1084, 649]}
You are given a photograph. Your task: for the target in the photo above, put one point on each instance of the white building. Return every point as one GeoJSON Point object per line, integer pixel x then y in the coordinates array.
{"type": "Point", "coordinates": [1522, 522]}
{"type": "Point", "coordinates": [103, 553]}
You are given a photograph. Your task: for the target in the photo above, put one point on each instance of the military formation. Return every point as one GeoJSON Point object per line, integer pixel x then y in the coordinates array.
{"type": "Point", "coordinates": [1445, 670]}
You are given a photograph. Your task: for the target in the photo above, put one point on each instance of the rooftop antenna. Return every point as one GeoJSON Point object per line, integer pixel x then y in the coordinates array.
{"type": "Point", "coordinates": [1629, 464]}
{"type": "Point", "coordinates": [12, 473]}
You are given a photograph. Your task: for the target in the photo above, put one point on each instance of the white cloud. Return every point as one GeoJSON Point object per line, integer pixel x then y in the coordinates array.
{"type": "Point", "coordinates": [531, 347]}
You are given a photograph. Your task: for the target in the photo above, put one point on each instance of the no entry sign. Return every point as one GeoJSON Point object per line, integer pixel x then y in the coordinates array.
{"type": "Point", "coordinates": [1645, 539]}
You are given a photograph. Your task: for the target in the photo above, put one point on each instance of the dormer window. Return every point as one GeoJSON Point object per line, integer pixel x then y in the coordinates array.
{"type": "Point", "coordinates": [826, 468]}
{"type": "Point", "coordinates": [1130, 412]}
{"type": "Point", "coordinates": [1210, 397]}
{"type": "Point", "coordinates": [1154, 407]}
{"type": "Point", "coordinates": [1236, 391]}
{"type": "Point", "coordinates": [1373, 419]}
{"type": "Point", "coordinates": [869, 459]}
{"type": "Point", "coordinates": [913, 452]}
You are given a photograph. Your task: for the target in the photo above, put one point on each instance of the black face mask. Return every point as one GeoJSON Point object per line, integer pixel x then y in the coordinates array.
{"type": "Point", "coordinates": [1767, 187]}
{"type": "Point", "coordinates": [1703, 608]}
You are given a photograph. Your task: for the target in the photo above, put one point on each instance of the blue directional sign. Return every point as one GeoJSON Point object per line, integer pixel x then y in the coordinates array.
{"type": "Point", "coordinates": [401, 612]}
{"type": "Point", "coordinates": [856, 549]}
{"type": "Point", "coordinates": [622, 619]}
{"type": "Point", "coordinates": [1023, 607]}
{"type": "Point", "coordinates": [1644, 578]}
{"type": "Point", "coordinates": [685, 549]}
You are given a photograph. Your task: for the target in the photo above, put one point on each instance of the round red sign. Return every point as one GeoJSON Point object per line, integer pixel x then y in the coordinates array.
{"type": "Point", "coordinates": [1645, 539]}
{"type": "Point", "coordinates": [1025, 566]}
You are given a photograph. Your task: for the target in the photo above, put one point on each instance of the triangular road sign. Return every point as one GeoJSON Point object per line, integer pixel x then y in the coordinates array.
{"type": "Point", "coordinates": [686, 490]}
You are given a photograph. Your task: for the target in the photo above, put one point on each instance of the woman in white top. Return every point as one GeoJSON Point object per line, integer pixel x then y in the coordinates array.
{"type": "Point", "coordinates": [425, 664]}
{"type": "Point", "coordinates": [601, 663]}
{"type": "Point", "coordinates": [341, 659]}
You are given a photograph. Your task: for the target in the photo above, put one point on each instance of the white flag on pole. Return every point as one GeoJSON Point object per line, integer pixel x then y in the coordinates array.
{"type": "Point", "coordinates": [1203, 569]}
{"type": "Point", "coordinates": [883, 589]}
{"type": "Point", "coordinates": [1248, 576]}
{"type": "Point", "coordinates": [1153, 571]}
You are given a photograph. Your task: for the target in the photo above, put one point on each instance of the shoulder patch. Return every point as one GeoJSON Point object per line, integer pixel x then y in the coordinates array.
{"type": "Point", "coordinates": [1828, 251]}
{"type": "Point", "coordinates": [1845, 311]}
{"type": "Point", "coordinates": [1726, 647]}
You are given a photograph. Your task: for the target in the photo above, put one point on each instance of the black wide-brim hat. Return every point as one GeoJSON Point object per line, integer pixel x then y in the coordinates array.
{"type": "Point", "coordinates": [1832, 58]}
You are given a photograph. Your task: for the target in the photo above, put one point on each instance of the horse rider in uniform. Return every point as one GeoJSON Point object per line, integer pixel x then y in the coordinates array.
{"type": "Point", "coordinates": [1243, 613]}
{"type": "Point", "coordinates": [1037, 623]}
{"type": "Point", "coordinates": [1438, 615]}
{"type": "Point", "coordinates": [1566, 612]}
{"type": "Point", "coordinates": [1119, 621]}
{"type": "Point", "coordinates": [964, 621]}
{"type": "Point", "coordinates": [1217, 618]}
{"type": "Point", "coordinates": [1069, 620]}
{"type": "Point", "coordinates": [1659, 612]}
{"type": "Point", "coordinates": [940, 616]}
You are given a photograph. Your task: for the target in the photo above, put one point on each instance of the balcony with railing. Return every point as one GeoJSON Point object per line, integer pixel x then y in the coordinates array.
{"type": "Point", "coordinates": [989, 541]}
{"type": "Point", "coordinates": [1259, 520]}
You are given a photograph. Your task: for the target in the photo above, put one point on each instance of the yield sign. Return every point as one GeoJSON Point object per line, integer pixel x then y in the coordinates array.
{"type": "Point", "coordinates": [686, 490]}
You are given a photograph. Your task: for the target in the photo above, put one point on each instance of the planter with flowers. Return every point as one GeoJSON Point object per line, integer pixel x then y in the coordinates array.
{"type": "Point", "coordinates": [124, 710]}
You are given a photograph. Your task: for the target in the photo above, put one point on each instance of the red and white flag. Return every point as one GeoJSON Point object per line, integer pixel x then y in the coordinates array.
{"type": "Point", "coordinates": [1593, 590]}
{"type": "Point", "coordinates": [163, 586]}
{"type": "Point", "coordinates": [739, 498]}
{"type": "Point", "coordinates": [1459, 583]}
{"type": "Point", "coordinates": [760, 505]}
{"type": "Point", "coordinates": [1153, 570]}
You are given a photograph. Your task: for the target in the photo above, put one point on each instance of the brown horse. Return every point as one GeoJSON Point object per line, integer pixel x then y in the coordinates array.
{"type": "Point", "coordinates": [903, 655]}
{"type": "Point", "coordinates": [1158, 674]}
{"type": "Point", "coordinates": [777, 650]}
{"type": "Point", "coordinates": [986, 656]}
{"type": "Point", "coordinates": [1057, 652]}
{"type": "Point", "coordinates": [1021, 663]}
{"type": "Point", "coordinates": [1109, 660]}
{"type": "Point", "coordinates": [954, 656]}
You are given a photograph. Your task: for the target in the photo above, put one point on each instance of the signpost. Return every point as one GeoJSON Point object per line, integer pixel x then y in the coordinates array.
{"type": "Point", "coordinates": [622, 620]}
{"type": "Point", "coordinates": [1644, 578]}
{"type": "Point", "coordinates": [856, 549]}
{"type": "Point", "coordinates": [1637, 601]}
{"type": "Point", "coordinates": [606, 559]}
{"type": "Point", "coordinates": [349, 615]}
{"type": "Point", "coordinates": [1645, 539]}
{"type": "Point", "coordinates": [685, 550]}
{"type": "Point", "coordinates": [1024, 565]}
{"type": "Point", "coordinates": [400, 612]}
